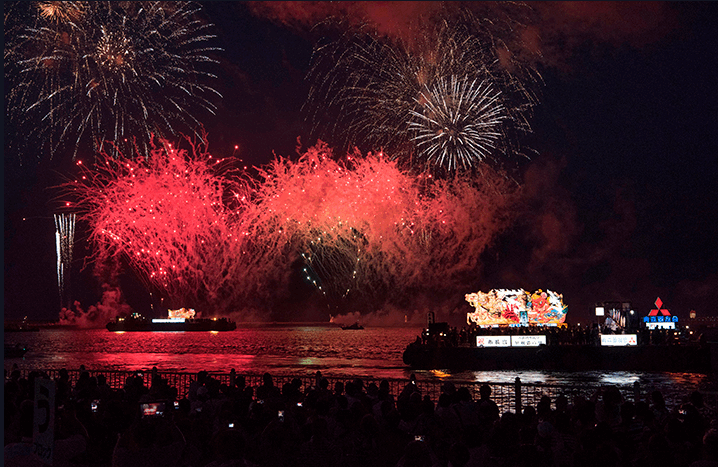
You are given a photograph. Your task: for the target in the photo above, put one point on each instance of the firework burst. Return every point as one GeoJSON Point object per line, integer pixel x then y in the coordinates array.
{"type": "Point", "coordinates": [459, 122]}
{"type": "Point", "coordinates": [367, 232]}
{"type": "Point", "coordinates": [89, 72]}
{"type": "Point", "coordinates": [370, 232]}
{"type": "Point", "coordinates": [446, 103]}
{"type": "Point", "coordinates": [171, 217]}
{"type": "Point", "coordinates": [61, 12]}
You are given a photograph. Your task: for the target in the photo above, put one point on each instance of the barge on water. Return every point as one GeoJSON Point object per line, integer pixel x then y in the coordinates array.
{"type": "Point", "coordinates": [178, 320]}
{"type": "Point", "coordinates": [691, 357]}
{"type": "Point", "coordinates": [515, 330]}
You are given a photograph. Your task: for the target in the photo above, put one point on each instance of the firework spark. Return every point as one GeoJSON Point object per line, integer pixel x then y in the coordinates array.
{"type": "Point", "coordinates": [447, 103]}
{"type": "Point", "coordinates": [90, 72]}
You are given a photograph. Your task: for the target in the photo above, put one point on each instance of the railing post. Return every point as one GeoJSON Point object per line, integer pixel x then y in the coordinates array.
{"type": "Point", "coordinates": [517, 395]}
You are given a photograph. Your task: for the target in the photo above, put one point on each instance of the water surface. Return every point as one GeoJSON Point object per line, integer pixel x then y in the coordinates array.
{"type": "Point", "coordinates": [287, 350]}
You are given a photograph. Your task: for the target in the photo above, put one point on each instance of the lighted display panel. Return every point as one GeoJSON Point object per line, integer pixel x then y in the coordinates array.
{"type": "Point", "coordinates": [493, 341]}
{"type": "Point", "coordinates": [619, 340]}
{"type": "Point", "coordinates": [660, 322]}
{"type": "Point", "coordinates": [516, 307]}
{"type": "Point", "coordinates": [510, 341]}
{"type": "Point", "coordinates": [528, 341]}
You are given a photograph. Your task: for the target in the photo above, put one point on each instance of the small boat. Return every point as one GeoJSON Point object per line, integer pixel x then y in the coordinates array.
{"type": "Point", "coordinates": [353, 326]}
{"type": "Point", "coordinates": [15, 351]}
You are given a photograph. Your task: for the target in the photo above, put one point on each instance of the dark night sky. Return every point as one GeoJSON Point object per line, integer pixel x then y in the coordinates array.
{"type": "Point", "coordinates": [621, 194]}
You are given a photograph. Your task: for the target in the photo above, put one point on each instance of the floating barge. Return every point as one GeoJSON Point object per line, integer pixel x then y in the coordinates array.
{"type": "Point", "coordinates": [178, 320]}
{"type": "Point", "coordinates": [517, 330]}
{"type": "Point", "coordinates": [684, 358]}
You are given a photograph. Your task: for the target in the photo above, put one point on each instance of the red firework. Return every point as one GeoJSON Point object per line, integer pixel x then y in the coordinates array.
{"type": "Point", "coordinates": [171, 216]}
{"type": "Point", "coordinates": [364, 228]}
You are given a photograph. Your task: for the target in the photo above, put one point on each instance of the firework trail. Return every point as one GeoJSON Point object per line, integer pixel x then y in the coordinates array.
{"type": "Point", "coordinates": [88, 72]}
{"type": "Point", "coordinates": [64, 243]}
{"type": "Point", "coordinates": [446, 103]}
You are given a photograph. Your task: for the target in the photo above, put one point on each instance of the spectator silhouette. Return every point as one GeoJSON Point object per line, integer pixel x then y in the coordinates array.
{"type": "Point", "coordinates": [151, 442]}
{"type": "Point", "coordinates": [488, 409]}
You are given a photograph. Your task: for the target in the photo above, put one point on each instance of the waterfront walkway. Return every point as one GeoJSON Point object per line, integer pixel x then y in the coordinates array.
{"type": "Point", "coordinates": [232, 419]}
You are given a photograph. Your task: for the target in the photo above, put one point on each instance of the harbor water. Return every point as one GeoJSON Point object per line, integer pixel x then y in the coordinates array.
{"type": "Point", "coordinates": [293, 350]}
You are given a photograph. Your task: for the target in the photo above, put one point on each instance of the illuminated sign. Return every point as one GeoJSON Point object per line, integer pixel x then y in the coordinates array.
{"type": "Point", "coordinates": [619, 340]}
{"type": "Point", "coordinates": [516, 307]}
{"type": "Point", "coordinates": [660, 318]}
{"type": "Point", "coordinates": [493, 341]}
{"type": "Point", "coordinates": [510, 341]}
{"type": "Point", "coordinates": [528, 341]}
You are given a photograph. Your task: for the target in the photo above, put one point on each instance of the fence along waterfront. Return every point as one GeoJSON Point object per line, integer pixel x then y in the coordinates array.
{"type": "Point", "coordinates": [508, 396]}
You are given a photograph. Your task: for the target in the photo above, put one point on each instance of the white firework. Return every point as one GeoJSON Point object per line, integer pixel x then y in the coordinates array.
{"type": "Point", "coordinates": [458, 122]}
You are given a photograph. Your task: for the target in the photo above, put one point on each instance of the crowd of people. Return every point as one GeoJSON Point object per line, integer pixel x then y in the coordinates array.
{"type": "Point", "coordinates": [233, 424]}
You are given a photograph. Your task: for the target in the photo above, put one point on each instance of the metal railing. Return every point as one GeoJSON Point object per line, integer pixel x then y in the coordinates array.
{"type": "Point", "coordinates": [508, 396]}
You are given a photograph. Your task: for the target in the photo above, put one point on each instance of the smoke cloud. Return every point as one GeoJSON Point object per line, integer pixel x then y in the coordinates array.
{"type": "Point", "coordinates": [96, 316]}
{"type": "Point", "coordinates": [547, 32]}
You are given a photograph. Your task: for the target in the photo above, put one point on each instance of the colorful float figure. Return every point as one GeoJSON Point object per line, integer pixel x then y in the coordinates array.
{"type": "Point", "coordinates": [516, 307]}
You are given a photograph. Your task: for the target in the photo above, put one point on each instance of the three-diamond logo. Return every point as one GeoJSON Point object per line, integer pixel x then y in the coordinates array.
{"type": "Point", "coordinates": [658, 309]}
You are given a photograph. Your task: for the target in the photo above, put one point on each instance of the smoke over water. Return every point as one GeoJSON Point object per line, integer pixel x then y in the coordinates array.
{"type": "Point", "coordinates": [96, 316]}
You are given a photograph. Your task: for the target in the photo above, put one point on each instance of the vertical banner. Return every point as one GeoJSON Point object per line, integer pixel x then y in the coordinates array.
{"type": "Point", "coordinates": [43, 427]}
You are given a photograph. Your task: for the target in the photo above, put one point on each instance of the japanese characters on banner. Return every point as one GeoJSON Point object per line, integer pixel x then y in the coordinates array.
{"type": "Point", "coordinates": [619, 340]}
{"type": "Point", "coordinates": [493, 341]}
{"type": "Point", "coordinates": [510, 341]}
{"type": "Point", "coordinates": [516, 307]}
{"type": "Point", "coordinates": [528, 341]}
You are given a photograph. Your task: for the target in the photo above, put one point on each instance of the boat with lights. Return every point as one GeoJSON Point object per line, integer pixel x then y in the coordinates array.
{"type": "Point", "coordinates": [20, 326]}
{"type": "Point", "coordinates": [505, 333]}
{"type": "Point", "coordinates": [180, 320]}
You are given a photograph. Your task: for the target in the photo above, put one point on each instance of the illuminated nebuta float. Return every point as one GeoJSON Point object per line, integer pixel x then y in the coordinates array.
{"type": "Point", "coordinates": [183, 319]}
{"type": "Point", "coordinates": [182, 313]}
{"type": "Point", "coordinates": [516, 307]}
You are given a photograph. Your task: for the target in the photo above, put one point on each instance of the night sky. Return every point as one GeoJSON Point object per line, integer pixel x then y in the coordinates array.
{"type": "Point", "coordinates": [620, 189]}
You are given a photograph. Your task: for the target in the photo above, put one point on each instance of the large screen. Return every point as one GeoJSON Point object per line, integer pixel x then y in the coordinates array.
{"type": "Point", "coordinates": [516, 307]}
